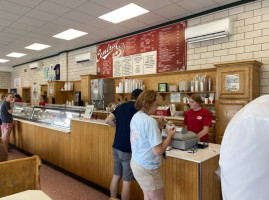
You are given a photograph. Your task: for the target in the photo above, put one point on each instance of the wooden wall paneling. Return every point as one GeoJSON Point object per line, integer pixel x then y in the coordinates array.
{"type": "Point", "coordinates": [76, 147]}
{"type": "Point", "coordinates": [256, 81]}
{"type": "Point", "coordinates": [211, 188]}
{"type": "Point", "coordinates": [64, 150]}
{"type": "Point", "coordinates": [225, 112]}
{"type": "Point", "coordinates": [28, 139]}
{"type": "Point", "coordinates": [172, 78]}
{"type": "Point", "coordinates": [249, 89]}
{"type": "Point", "coordinates": [180, 179]}
{"type": "Point", "coordinates": [87, 152]}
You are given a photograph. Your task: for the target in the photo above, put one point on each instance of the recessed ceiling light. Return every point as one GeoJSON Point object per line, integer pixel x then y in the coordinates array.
{"type": "Point", "coordinates": [3, 60]}
{"type": "Point", "coordinates": [126, 12]}
{"type": "Point", "coordinates": [37, 46]}
{"type": "Point", "coordinates": [16, 55]}
{"type": "Point", "coordinates": [70, 34]}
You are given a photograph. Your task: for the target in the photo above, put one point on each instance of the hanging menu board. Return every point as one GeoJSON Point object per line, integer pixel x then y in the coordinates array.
{"type": "Point", "coordinates": [156, 51]}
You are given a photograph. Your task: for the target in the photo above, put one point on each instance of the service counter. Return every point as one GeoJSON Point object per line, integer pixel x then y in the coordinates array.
{"type": "Point", "coordinates": [86, 150]}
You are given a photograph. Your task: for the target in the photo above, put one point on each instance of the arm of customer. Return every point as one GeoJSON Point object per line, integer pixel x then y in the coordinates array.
{"type": "Point", "coordinates": [10, 107]}
{"type": "Point", "coordinates": [160, 149]}
{"type": "Point", "coordinates": [203, 132]}
{"type": "Point", "coordinates": [111, 120]}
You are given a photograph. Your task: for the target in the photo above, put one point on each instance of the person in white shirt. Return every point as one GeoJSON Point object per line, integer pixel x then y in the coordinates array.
{"type": "Point", "coordinates": [244, 160]}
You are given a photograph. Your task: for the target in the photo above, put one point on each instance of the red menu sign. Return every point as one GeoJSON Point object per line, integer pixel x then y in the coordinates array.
{"type": "Point", "coordinates": [168, 41]}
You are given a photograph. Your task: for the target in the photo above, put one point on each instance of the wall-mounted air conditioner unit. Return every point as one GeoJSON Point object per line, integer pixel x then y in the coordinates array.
{"type": "Point", "coordinates": [35, 65]}
{"type": "Point", "coordinates": [86, 57]}
{"type": "Point", "coordinates": [209, 31]}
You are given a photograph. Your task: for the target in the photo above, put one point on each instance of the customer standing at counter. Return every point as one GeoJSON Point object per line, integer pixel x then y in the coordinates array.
{"type": "Point", "coordinates": [7, 119]}
{"type": "Point", "coordinates": [198, 119]}
{"type": "Point", "coordinates": [17, 98]}
{"type": "Point", "coordinates": [147, 146]}
{"type": "Point", "coordinates": [120, 118]}
{"type": "Point", "coordinates": [244, 153]}
{"type": "Point", "coordinates": [2, 99]}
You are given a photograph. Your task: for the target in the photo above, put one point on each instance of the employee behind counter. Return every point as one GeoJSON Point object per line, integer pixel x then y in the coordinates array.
{"type": "Point", "coordinates": [198, 119]}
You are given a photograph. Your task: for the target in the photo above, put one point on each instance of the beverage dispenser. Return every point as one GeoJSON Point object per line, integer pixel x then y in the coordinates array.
{"type": "Point", "coordinates": [102, 92]}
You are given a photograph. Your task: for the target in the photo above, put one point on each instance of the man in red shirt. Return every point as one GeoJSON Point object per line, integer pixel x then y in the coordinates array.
{"type": "Point", "coordinates": [198, 119]}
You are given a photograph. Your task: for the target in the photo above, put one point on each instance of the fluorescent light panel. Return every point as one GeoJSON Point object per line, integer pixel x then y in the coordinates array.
{"type": "Point", "coordinates": [69, 34]}
{"type": "Point", "coordinates": [37, 46]}
{"type": "Point", "coordinates": [126, 12]}
{"type": "Point", "coordinates": [16, 55]}
{"type": "Point", "coordinates": [3, 60]}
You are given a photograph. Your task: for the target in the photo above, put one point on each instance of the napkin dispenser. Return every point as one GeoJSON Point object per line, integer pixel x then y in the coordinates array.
{"type": "Point", "coordinates": [163, 111]}
{"type": "Point", "coordinates": [183, 139]}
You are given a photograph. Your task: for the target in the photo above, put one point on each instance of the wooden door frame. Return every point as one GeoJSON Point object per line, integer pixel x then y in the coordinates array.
{"type": "Point", "coordinates": [28, 87]}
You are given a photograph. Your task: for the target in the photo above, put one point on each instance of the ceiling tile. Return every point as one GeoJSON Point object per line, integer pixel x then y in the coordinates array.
{"type": "Point", "coordinates": [69, 3]}
{"type": "Point", "coordinates": [112, 5]}
{"type": "Point", "coordinates": [52, 8]}
{"type": "Point", "coordinates": [15, 31]}
{"type": "Point", "coordinates": [9, 16]}
{"type": "Point", "coordinates": [44, 16]}
{"type": "Point", "coordinates": [171, 11]}
{"type": "Point", "coordinates": [4, 35]}
{"type": "Point", "coordinates": [99, 23]}
{"type": "Point", "coordinates": [13, 7]}
{"type": "Point", "coordinates": [86, 28]}
{"type": "Point", "coordinates": [28, 3]}
{"type": "Point", "coordinates": [53, 28]}
{"type": "Point", "coordinates": [77, 16]}
{"type": "Point", "coordinates": [118, 29]}
{"type": "Point", "coordinates": [175, 0]}
{"type": "Point", "coordinates": [21, 26]}
{"type": "Point", "coordinates": [190, 6]}
{"type": "Point", "coordinates": [149, 5]}
{"type": "Point", "coordinates": [93, 9]}
{"type": "Point", "coordinates": [64, 22]}
{"type": "Point", "coordinates": [151, 18]}
{"type": "Point", "coordinates": [205, 8]}
{"type": "Point", "coordinates": [4, 22]}
{"type": "Point", "coordinates": [222, 2]}
{"type": "Point", "coordinates": [31, 21]}
{"type": "Point", "coordinates": [133, 24]}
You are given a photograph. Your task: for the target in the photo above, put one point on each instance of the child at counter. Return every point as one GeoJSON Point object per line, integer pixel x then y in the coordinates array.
{"type": "Point", "coordinates": [6, 117]}
{"type": "Point", "coordinates": [42, 100]}
{"type": "Point", "coordinates": [2, 99]}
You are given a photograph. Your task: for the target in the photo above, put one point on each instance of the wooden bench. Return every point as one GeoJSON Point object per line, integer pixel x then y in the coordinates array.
{"type": "Point", "coordinates": [19, 175]}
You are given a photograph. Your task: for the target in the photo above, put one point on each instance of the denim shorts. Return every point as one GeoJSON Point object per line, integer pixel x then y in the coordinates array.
{"type": "Point", "coordinates": [122, 164]}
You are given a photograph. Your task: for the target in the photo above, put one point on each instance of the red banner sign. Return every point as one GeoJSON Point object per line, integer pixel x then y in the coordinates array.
{"type": "Point", "coordinates": [168, 41]}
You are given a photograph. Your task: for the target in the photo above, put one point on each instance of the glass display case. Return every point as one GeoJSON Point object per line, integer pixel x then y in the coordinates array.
{"type": "Point", "coordinates": [22, 111]}
{"type": "Point", "coordinates": [54, 115]}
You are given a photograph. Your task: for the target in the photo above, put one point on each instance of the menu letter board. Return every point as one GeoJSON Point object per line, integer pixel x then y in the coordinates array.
{"type": "Point", "coordinates": [155, 51]}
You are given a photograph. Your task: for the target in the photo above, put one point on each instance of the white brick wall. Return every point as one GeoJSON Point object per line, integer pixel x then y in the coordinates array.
{"type": "Point", "coordinates": [249, 41]}
{"type": "Point", "coordinates": [33, 76]}
{"type": "Point", "coordinates": [5, 80]}
{"type": "Point", "coordinates": [77, 69]}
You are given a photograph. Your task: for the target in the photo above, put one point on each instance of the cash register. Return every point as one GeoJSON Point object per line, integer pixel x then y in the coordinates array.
{"type": "Point", "coordinates": [183, 139]}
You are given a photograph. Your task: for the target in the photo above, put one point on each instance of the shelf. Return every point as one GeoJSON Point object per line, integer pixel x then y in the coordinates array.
{"type": "Point", "coordinates": [66, 90]}
{"type": "Point", "coordinates": [123, 93]}
{"type": "Point", "coordinates": [200, 92]}
{"type": "Point", "coordinates": [203, 104]}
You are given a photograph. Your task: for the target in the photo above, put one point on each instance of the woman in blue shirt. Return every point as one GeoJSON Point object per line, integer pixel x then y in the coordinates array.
{"type": "Point", "coordinates": [147, 146]}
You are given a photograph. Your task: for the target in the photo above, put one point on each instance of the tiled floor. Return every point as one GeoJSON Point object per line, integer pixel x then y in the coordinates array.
{"type": "Point", "coordinates": [59, 186]}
